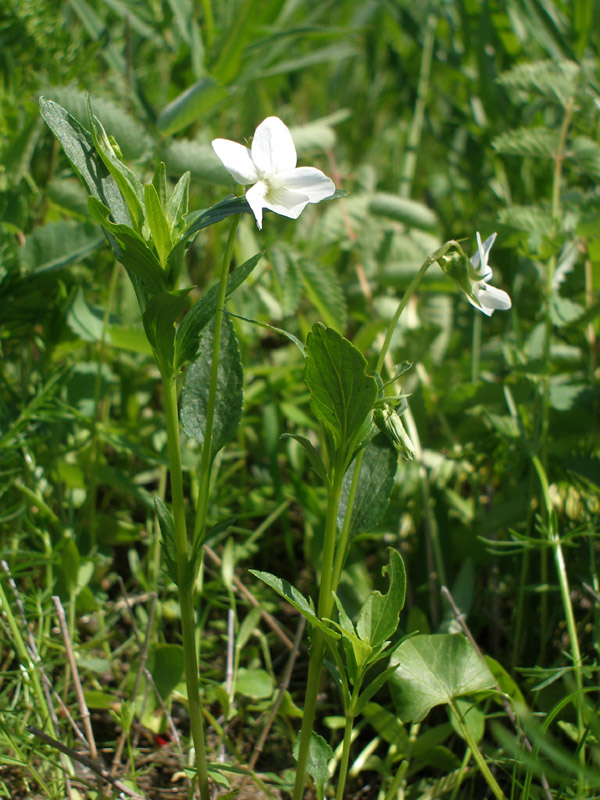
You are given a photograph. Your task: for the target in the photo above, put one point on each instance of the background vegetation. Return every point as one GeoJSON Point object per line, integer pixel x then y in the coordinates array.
{"type": "Point", "coordinates": [438, 119]}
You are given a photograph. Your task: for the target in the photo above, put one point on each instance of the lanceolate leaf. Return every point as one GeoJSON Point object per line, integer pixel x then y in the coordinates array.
{"type": "Point", "coordinates": [295, 598]}
{"type": "Point", "coordinates": [229, 396]}
{"type": "Point", "coordinates": [433, 670]}
{"type": "Point", "coordinates": [342, 394]}
{"type": "Point", "coordinates": [375, 485]}
{"type": "Point", "coordinates": [222, 210]}
{"type": "Point", "coordinates": [186, 345]}
{"type": "Point", "coordinates": [79, 149]}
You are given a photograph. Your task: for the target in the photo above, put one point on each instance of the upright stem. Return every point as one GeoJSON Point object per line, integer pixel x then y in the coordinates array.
{"type": "Point", "coordinates": [414, 135]}
{"type": "Point", "coordinates": [185, 584]}
{"type": "Point", "coordinates": [481, 763]}
{"type": "Point", "coordinates": [206, 461]}
{"type": "Point", "coordinates": [565, 593]}
{"type": "Point", "coordinates": [476, 346]}
{"type": "Point", "coordinates": [345, 760]}
{"type": "Point", "coordinates": [324, 609]}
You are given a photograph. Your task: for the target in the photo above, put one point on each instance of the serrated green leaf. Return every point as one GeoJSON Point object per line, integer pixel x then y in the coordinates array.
{"type": "Point", "coordinates": [375, 486]}
{"type": "Point", "coordinates": [434, 670]}
{"type": "Point", "coordinates": [229, 395]}
{"type": "Point", "coordinates": [296, 599]}
{"type": "Point", "coordinates": [535, 142]}
{"type": "Point", "coordinates": [342, 394]}
{"type": "Point", "coordinates": [379, 616]}
{"type": "Point", "coordinates": [79, 148]}
{"type": "Point", "coordinates": [188, 334]}
{"type": "Point", "coordinates": [133, 138]}
{"type": "Point", "coordinates": [191, 105]}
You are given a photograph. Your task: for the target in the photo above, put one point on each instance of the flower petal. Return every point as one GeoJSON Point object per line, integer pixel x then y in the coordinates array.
{"type": "Point", "coordinates": [491, 298]}
{"type": "Point", "coordinates": [286, 202]}
{"type": "Point", "coordinates": [310, 181]}
{"type": "Point", "coordinates": [256, 200]}
{"type": "Point", "coordinates": [273, 149]}
{"type": "Point", "coordinates": [236, 160]}
{"type": "Point", "coordinates": [480, 258]}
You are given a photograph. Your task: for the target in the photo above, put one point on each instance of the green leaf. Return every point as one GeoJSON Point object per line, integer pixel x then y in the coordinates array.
{"type": "Point", "coordinates": [167, 530]}
{"type": "Point", "coordinates": [402, 209]}
{"type": "Point", "coordinates": [135, 142]}
{"type": "Point", "coordinates": [58, 244]}
{"type": "Point", "coordinates": [166, 665]}
{"type": "Point", "coordinates": [319, 756]}
{"type": "Point", "coordinates": [158, 223]}
{"type": "Point", "coordinates": [186, 343]}
{"type": "Point", "coordinates": [191, 105]}
{"type": "Point", "coordinates": [200, 159]}
{"type": "Point", "coordinates": [342, 394]}
{"type": "Point", "coordinates": [131, 250]}
{"type": "Point", "coordinates": [177, 205]}
{"type": "Point", "coordinates": [379, 617]}
{"type": "Point", "coordinates": [375, 486]}
{"type": "Point", "coordinates": [127, 181]}
{"type": "Point", "coordinates": [473, 718]}
{"type": "Point", "coordinates": [535, 142]}
{"type": "Point", "coordinates": [229, 395]}
{"type": "Point", "coordinates": [295, 599]}
{"type": "Point", "coordinates": [159, 317]}
{"type": "Point", "coordinates": [313, 454]}
{"type": "Point", "coordinates": [255, 683]}
{"type": "Point", "coordinates": [79, 148]}
{"type": "Point", "coordinates": [325, 292]}
{"type": "Point", "coordinates": [226, 208]}
{"type": "Point", "coordinates": [434, 670]}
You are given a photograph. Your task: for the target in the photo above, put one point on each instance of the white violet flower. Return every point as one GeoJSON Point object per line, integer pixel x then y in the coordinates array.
{"type": "Point", "coordinates": [270, 165]}
{"type": "Point", "coordinates": [484, 297]}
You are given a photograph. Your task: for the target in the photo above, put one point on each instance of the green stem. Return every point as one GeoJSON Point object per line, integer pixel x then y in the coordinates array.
{"type": "Point", "coordinates": [481, 763]}
{"type": "Point", "coordinates": [408, 294]}
{"type": "Point", "coordinates": [565, 593]}
{"type": "Point", "coordinates": [342, 548]}
{"type": "Point", "coordinates": [476, 346]}
{"type": "Point", "coordinates": [185, 584]}
{"type": "Point", "coordinates": [350, 717]}
{"type": "Point", "coordinates": [324, 609]}
{"type": "Point", "coordinates": [206, 461]}
{"type": "Point", "coordinates": [414, 135]}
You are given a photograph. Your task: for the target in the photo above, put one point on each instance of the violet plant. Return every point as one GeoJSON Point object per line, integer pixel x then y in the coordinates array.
{"type": "Point", "coordinates": [358, 411]}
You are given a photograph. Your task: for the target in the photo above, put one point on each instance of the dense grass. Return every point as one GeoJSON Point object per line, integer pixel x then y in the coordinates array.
{"type": "Point", "coordinates": [438, 120]}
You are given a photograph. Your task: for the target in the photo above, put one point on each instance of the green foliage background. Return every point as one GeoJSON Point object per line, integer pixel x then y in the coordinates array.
{"type": "Point", "coordinates": [472, 142]}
